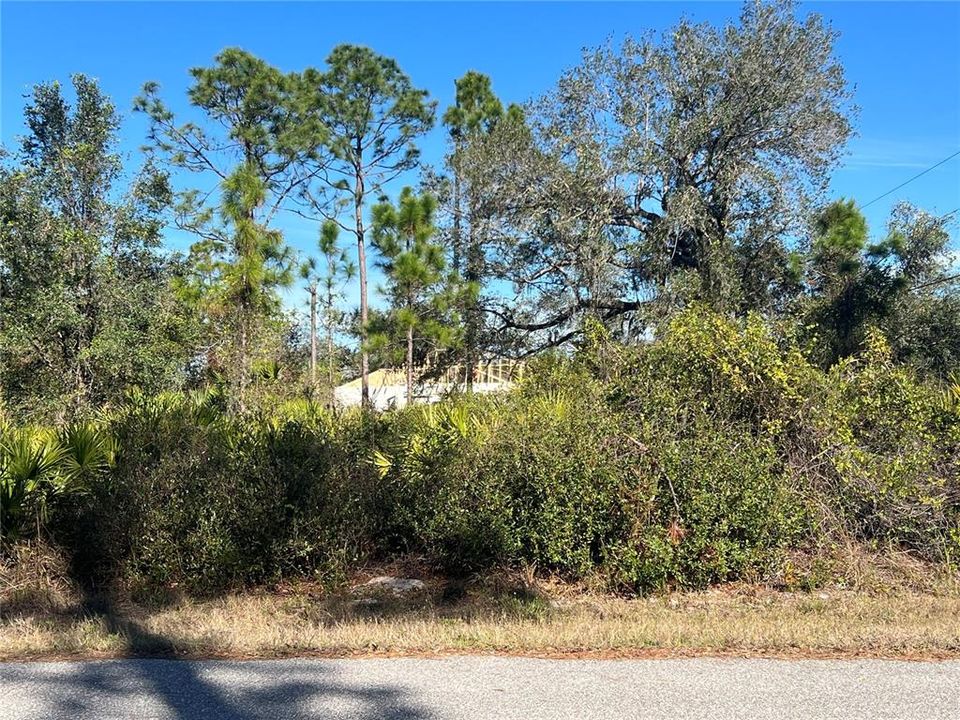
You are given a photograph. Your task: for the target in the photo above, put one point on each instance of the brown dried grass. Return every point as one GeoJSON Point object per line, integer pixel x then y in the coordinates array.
{"type": "Point", "coordinates": [506, 613]}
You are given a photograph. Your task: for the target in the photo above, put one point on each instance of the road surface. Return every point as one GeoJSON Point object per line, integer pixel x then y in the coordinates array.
{"type": "Point", "coordinates": [468, 688]}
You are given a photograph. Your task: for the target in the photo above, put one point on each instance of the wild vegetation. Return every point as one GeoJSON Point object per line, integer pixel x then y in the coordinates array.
{"type": "Point", "coordinates": [730, 378]}
{"type": "Point", "coordinates": [716, 453]}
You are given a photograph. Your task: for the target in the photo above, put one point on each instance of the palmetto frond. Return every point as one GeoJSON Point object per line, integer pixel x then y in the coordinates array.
{"type": "Point", "coordinates": [30, 470]}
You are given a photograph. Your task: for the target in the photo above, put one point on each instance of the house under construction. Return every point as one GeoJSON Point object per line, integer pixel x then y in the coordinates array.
{"type": "Point", "coordinates": [388, 386]}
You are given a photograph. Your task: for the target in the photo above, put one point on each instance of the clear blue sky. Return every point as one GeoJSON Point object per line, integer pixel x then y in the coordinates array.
{"type": "Point", "coordinates": [902, 57]}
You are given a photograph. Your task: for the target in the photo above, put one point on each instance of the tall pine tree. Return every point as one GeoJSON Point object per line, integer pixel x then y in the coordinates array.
{"type": "Point", "coordinates": [255, 144]}
{"type": "Point", "coordinates": [476, 111]}
{"type": "Point", "coordinates": [325, 285]}
{"type": "Point", "coordinates": [374, 114]}
{"type": "Point", "coordinates": [414, 268]}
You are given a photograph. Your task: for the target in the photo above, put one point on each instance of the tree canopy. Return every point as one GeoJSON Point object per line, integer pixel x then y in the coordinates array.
{"type": "Point", "coordinates": [668, 169]}
{"type": "Point", "coordinates": [688, 168]}
{"type": "Point", "coordinates": [86, 303]}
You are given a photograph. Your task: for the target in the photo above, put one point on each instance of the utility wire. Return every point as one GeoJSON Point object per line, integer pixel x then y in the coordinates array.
{"type": "Point", "coordinates": [907, 182]}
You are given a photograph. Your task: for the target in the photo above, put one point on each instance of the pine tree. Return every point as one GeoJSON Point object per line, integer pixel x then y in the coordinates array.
{"type": "Point", "coordinates": [337, 271]}
{"type": "Point", "coordinates": [252, 266]}
{"type": "Point", "coordinates": [414, 267]}
{"type": "Point", "coordinates": [477, 110]}
{"type": "Point", "coordinates": [373, 114]}
{"type": "Point", "coordinates": [255, 146]}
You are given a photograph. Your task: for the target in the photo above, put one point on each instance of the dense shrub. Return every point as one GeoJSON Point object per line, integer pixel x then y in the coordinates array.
{"type": "Point", "coordinates": [534, 477]}
{"type": "Point", "coordinates": [720, 510]}
{"type": "Point", "coordinates": [205, 500]}
{"type": "Point", "coordinates": [39, 465]}
{"type": "Point", "coordinates": [709, 454]}
{"type": "Point", "coordinates": [882, 455]}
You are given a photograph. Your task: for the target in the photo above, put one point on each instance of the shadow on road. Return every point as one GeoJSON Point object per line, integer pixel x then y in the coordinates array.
{"type": "Point", "coordinates": [165, 687]}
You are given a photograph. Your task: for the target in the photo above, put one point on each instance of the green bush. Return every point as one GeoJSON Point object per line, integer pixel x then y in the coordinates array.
{"type": "Point", "coordinates": [719, 510]}
{"type": "Point", "coordinates": [573, 475]}
{"type": "Point", "coordinates": [892, 445]}
{"type": "Point", "coordinates": [530, 478]}
{"type": "Point", "coordinates": [39, 465]}
{"type": "Point", "coordinates": [207, 501]}
{"type": "Point", "coordinates": [707, 455]}
{"type": "Point", "coordinates": [710, 406]}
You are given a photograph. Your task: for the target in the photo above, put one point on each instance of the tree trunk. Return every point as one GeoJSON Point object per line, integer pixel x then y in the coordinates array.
{"type": "Point", "coordinates": [409, 365]}
{"type": "Point", "coordinates": [329, 327]}
{"type": "Point", "coordinates": [457, 250]}
{"type": "Point", "coordinates": [362, 262]}
{"type": "Point", "coordinates": [330, 356]}
{"type": "Point", "coordinates": [313, 339]}
{"type": "Point", "coordinates": [457, 212]}
{"type": "Point", "coordinates": [471, 275]}
{"type": "Point", "coordinates": [244, 370]}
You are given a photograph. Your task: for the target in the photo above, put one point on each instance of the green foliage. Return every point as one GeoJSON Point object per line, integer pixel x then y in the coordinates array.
{"type": "Point", "coordinates": [894, 454]}
{"type": "Point", "coordinates": [369, 103]}
{"type": "Point", "coordinates": [476, 108]}
{"type": "Point", "coordinates": [718, 509]}
{"type": "Point", "coordinates": [707, 455]}
{"type": "Point", "coordinates": [86, 308]}
{"type": "Point", "coordinates": [29, 464]}
{"type": "Point", "coordinates": [564, 475]}
{"type": "Point", "coordinates": [38, 465]}
{"type": "Point", "coordinates": [667, 169]}
{"type": "Point", "coordinates": [257, 117]}
{"type": "Point", "coordinates": [703, 457]}
{"type": "Point", "coordinates": [421, 293]}
{"type": "Point", "coordinates": [775, 397]}
{"type": "Point", "coordinates": [254, 150]}
{"type": "Point", "coordinates": [903, 284]}
{"type": "Point", "coordinates": [206, 500]}
{"type": "Point", "coordinates": [710, 405]}
{"type": "Point", "coordinates": [256, 263]}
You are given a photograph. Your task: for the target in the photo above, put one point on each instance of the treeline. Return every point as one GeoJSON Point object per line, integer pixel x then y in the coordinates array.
{"type": "Point", "coordinates": [690, 168]}
{"type": "Point", "coordinates": [730, 377]}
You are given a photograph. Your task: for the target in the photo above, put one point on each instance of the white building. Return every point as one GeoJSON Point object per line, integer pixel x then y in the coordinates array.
{"type": "Point", "coordinates": [388, 387]}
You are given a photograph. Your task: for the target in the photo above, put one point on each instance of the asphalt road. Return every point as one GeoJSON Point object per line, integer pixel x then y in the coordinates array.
{"type": "Point", "coordinates": [479, 687]}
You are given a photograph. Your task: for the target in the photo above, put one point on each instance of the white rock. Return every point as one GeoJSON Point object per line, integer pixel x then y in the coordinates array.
{"type": "Point", "coordinates": [397, 585]}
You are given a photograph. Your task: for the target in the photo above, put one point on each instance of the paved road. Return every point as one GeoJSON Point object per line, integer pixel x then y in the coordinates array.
{"type": "Point", "coordinates": [479, 687]}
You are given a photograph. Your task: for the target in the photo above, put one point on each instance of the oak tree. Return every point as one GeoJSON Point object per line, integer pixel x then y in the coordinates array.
{"type": "Point", "coordinates": [662, 171]}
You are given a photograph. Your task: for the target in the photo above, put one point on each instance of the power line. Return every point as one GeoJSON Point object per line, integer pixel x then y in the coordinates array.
{"type": "Point", "coordinates": [907, 182]}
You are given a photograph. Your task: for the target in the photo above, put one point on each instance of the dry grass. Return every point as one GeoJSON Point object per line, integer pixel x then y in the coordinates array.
{"type": "Point", "coordinates": [510, 617]}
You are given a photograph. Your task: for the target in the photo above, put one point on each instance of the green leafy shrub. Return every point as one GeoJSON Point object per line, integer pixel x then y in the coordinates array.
{"type": "Point", "coordinates": [532, 478]}
{"type": "Point", "coordinates": [719, 509]}
{"type": "Point", "coordinates": [571, 475]}
{"type": "Point", "coordinates": [709, 405]}
{"type": "Point", "coordinates": [892, 451]}
{"type": "Point", "coordinates": [711, 454]}
{"type": "Point", "coordinates": [207, 501]}
{"type": "Point", "coordinates": [39, 464]}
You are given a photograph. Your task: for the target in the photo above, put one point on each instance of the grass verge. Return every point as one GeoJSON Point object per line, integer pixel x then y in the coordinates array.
{"type": "Point", "coordinates": [520, 618]}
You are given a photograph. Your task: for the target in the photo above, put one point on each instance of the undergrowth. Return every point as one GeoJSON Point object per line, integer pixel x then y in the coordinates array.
{"type": "Point", "coordinates": [715, 453]}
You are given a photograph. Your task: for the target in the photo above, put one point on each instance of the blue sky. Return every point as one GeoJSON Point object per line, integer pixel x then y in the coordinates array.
{"type": "Point", "coordinates": [903, 59]}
